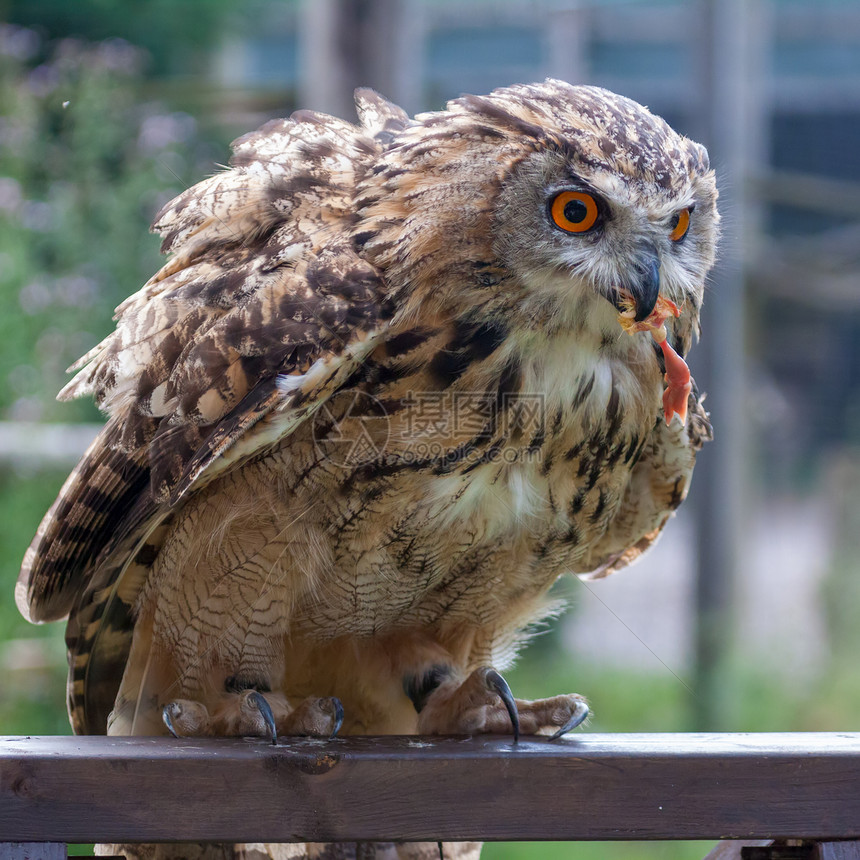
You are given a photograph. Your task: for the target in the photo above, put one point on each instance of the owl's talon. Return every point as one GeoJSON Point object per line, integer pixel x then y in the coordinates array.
{"type": "Point", "coordinates": [338, 717]}
{"type": "Point", "coordinates": [186, 719]}
{"type": "Point", "coordinates": [472, 706]}
{"type": "Point", "coordinates": [167, 718]}
{"type": "Point", "coordinates": [497, 683]}
{"type": "Point", "coordinates": [257, 700]}
{"type": "Point", "coordinates": [576, 719]}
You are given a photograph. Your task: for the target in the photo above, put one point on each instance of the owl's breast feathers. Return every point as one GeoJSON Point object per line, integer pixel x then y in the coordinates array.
{"type": "Point", "coordinates": [557, 443]}
{"type": "Point", "coordinates": [344, 283]}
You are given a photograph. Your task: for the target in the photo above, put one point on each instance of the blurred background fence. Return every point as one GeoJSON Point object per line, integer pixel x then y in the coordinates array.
{"type": "Point", "coordinates": [745, 615]}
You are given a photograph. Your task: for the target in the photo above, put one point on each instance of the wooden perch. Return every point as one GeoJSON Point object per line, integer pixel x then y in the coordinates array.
{"type": "Point", "coordinates": [589, 787]}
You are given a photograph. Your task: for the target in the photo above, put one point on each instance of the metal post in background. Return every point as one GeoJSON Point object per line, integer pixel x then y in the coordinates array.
{"type": "Point", "coordinates": [719, 362]}
{"type": "Point", "coordinates": [356, 43]}
{"type": "Point", "coordinates": [568, 34]}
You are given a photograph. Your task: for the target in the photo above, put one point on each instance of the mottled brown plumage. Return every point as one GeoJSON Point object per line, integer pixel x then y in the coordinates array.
{"type": "Point", "coordinates": [369, 411]}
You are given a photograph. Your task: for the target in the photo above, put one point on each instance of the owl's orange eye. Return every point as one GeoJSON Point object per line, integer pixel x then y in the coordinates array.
{"type": "Point", "coordinates": [574, 211]}
{"type": "Point", "coordinates": [680, 224]}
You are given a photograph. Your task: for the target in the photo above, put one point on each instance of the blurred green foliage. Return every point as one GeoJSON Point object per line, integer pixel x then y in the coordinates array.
{"type": "Point", "coordinates": [85, 162]}
{"type": "Point", "coordinates": [32, 659]}
{"type": "Point", "coordinates": [175, 33]}
{"type": "Point", "coordinates": [86, 159]}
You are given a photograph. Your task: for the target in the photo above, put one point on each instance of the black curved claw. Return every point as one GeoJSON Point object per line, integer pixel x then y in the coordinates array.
{"type": "Point", "coordinates": [168, 721]}
{"type": "Point", "coordinates": [575, 720]}
{"type": "Point", "coordinates": [338, 717]}
{"type": "Point", "coordinates": [496, 682]}
{"type": "Point", "coordinates": [265, 710]}
{"type": "Point", "coordinates": [441, 851]}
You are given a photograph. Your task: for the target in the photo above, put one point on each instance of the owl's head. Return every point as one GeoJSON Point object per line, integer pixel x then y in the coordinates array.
{"type": "Point", "coordinates": [611, 199]}
{"type": "Point", "coordinates": [548, 200]}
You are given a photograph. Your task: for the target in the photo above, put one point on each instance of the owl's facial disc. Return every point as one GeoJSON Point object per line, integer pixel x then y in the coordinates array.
{"type": "Point", "coordinates": [578, 211]}
{"type": "Point", "coordinates": [577, 234]}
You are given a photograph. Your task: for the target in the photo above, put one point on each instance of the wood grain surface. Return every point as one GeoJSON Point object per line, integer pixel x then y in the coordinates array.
{"type": "Point", "coordinates": [591, 787]}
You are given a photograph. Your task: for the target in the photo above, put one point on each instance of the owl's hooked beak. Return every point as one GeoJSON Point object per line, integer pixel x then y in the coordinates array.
{"type": "Point", "coordinates": [644, 288]}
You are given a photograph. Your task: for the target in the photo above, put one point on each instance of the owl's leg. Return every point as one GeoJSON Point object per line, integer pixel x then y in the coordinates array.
{"type": "Point", "coordinates": [248, 701]}
{"type": "Point", "coordinates": [253, 714]}
{"type": "Point", "coordinates": [483, 703]}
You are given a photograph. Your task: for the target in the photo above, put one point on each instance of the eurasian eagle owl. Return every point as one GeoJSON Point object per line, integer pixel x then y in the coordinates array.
{"type": "Point", "coordinates": [472, 295]}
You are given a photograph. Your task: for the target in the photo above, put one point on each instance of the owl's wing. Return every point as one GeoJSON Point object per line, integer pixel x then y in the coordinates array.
{"type": "Point", "coordinates": [262, 311]}
{"type": "Point", "coordinates": [658, 484]}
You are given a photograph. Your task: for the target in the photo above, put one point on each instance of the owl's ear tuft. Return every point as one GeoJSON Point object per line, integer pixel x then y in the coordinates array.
{"type": "Point", "coordinates": [703, 164]}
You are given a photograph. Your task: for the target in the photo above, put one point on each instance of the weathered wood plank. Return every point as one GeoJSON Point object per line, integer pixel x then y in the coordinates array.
{"type": "Point", "coordinates": [590, 787]}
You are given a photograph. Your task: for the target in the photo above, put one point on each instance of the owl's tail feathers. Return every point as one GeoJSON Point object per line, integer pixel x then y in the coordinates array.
{"type": "Point", "coordinates": [87, 514]}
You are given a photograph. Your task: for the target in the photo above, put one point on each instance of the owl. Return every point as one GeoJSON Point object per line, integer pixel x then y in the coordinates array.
{"type": "Point", "coordinates": [394, 380]}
